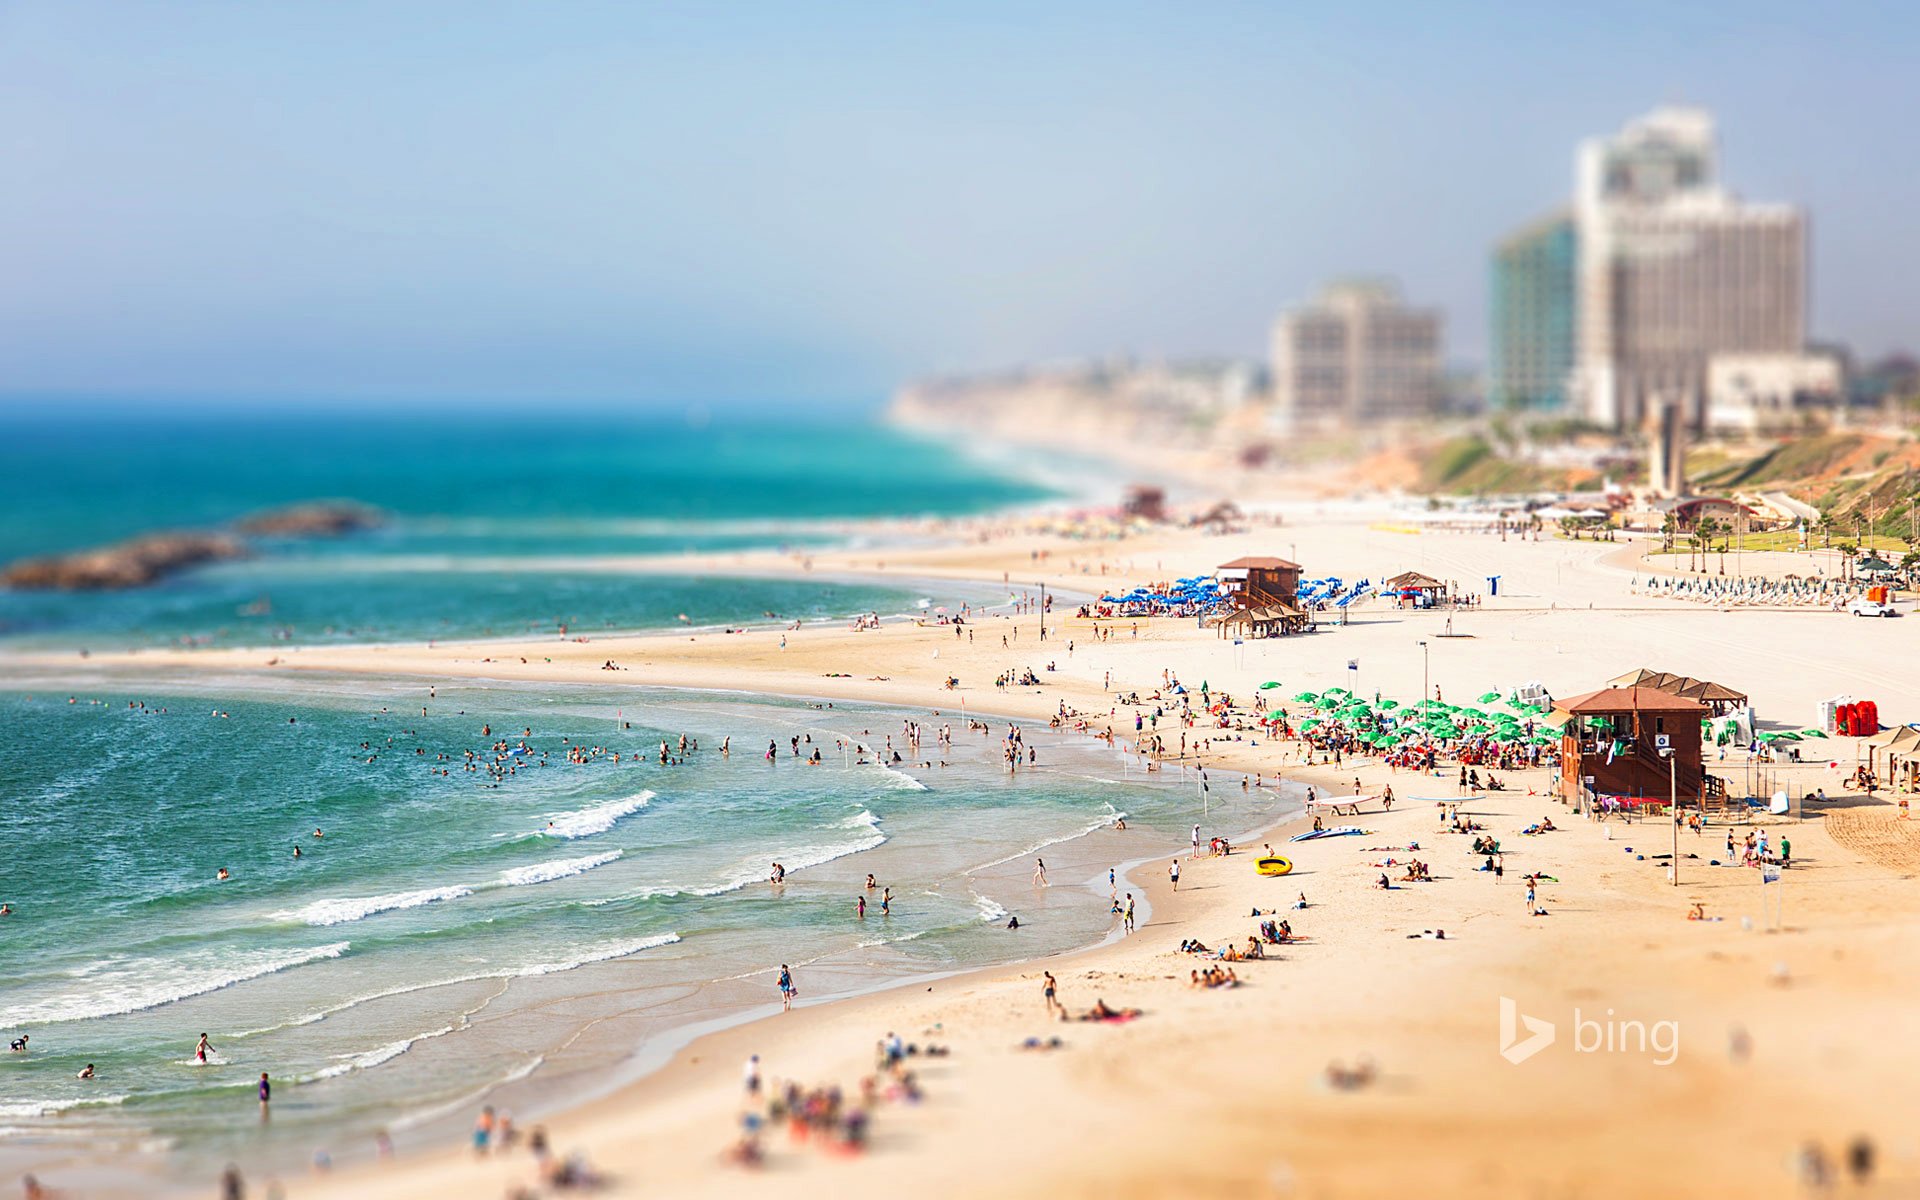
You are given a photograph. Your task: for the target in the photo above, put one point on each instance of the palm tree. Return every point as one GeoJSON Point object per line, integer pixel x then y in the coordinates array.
{"type": "Point", "coordinates": [1705, 529]}
{"type": "Point", "coordinates": [1848, 549]}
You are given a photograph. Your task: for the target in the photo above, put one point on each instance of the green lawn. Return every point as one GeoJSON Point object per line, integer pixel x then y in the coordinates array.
{"type": "Point", "coordinates": [1889, 548]}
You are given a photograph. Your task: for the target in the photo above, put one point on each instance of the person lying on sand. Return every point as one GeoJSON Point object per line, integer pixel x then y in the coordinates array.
{"type": "Point", "coordinates": [1101, 1012]}
{"type": "Point", "coordinates": [1341, 1079]}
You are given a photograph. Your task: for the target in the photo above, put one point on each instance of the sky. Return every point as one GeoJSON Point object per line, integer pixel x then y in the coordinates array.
{"type": "Point", "coordinates": [425, 202]}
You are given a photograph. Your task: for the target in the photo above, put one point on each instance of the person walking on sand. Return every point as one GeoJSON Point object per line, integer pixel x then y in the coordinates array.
{"type": "Point", "coordinates": [1040, 872]}
{"type": "Point", "coordinates": [1127, 920]}
{"type": "Point", "coordinates": [1049, 990]}
{"type": "Point", "coordinates": [1173, 873]}
{"type": "Point", "coordinates": [1196, 842]}
{"type": "Point", "coordinates": [787, 990]}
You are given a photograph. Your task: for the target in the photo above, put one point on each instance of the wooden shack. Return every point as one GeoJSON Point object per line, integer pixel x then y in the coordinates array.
{"type": "Point", "coordinates": [1260, 582]}
{"type": "Point", "coordinates": [1611, 748]}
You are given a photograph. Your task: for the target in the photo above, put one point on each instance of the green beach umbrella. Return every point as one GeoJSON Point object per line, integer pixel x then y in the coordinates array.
{"type": "Point", "coordinates": [1489, 697]}
{"type": "Point", "coordinates": [1304, 697]}
{"type": "Point", "coordinates": [1271, 683]}
{"type": "Point", "coordinates": [1812, 733]}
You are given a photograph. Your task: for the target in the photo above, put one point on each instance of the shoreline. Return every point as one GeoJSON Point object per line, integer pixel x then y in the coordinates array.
{"type": "Point", "coordinates": [1245, 1063]}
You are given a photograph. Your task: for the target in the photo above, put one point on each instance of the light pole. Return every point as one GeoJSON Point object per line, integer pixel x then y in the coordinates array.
{"type": "Point", "coordinates": [1426, 660]}
{"type": "Point", "coordinates": [1673, 811]}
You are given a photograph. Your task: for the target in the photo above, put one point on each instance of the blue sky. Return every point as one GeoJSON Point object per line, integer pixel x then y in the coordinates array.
{"type": "Point", "coordinates": [812, 201]}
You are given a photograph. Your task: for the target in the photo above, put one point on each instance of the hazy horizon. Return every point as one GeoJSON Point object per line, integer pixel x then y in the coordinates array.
{"type": "Point", "coordinates": [674, 205]}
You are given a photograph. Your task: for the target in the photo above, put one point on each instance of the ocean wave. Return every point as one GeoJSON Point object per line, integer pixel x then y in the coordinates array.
{"type": "Point", "coordinates": [134, 985]}
{"type": "Point", "coordinates": [900, 781]}
{"type": "Point", "coordinates": [748, 872]}
{"type": "Point", "coordinates": [799, 858]}
{"type": "Point", "coordinates": [598, 954]}
{"type": "Point", "coordinates": [990, 911]}
{"type": "Point", "coordinates": [885, 941]}
{"type": "Point", "coordinates": [349, 1063]}
{"type": "Point", "coordinates": [605, 953]}
{"type": "Point", "coordinates": [560, 869]}
{"type": "Point", "coordinates": [47, 1108]}
{"type": "Point", "coordinates": [1112, 816]}
{"type": "Point", "coordinates": [353, 908]}
{"type": "Point", "coordinates": [598, 819]}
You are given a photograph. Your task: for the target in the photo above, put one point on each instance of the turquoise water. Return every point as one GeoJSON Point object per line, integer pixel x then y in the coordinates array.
{"type": "Point", "coordinates": [398, 968]}
{"type": "Point", "coordinates": [486, 514]}
{"type": "Point", "coordinates": [524, 934]}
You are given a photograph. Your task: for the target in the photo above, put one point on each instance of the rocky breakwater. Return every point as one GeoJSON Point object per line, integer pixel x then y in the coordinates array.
{"type": "Point", "coordinates": [129, 564]}
{"type": "Point", "coordinates": [331, 518]}
{"type": "Point", "coordinates": [149, 558]}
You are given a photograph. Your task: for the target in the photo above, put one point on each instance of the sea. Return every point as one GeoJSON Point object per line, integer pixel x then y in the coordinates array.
{"type": "Point", "coordinates": [523, 936]}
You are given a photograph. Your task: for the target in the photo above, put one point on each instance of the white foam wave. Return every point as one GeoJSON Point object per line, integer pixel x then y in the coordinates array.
{"type": "Point", "coordinates": [799, 858]}
{"type": "Point", "coordinates": [990, 911]}
{"type": "Point", "coordinates": [560, 869]}
{"type": "Point", "coordinates": [605, 953]}
{"type": "Point", "coordinates": [597, 954]}
{"type": "Point", "coordinates": [47, 1108]}
{"type": "Point", "coordinates": [380, 1054]}
{"type": "Point", "coordinates": [914, 936]}
{"type": "Point", "coordinates": [135, 984]}
{"type": "Point", "coordinates": [748, 872]}
{"type": "Point", "coordinates": [597, 819]}
{"type": "Point", "coordinates": [1042, 844]}
{"type": "Point", "coordinates": [353, 908]}
{"type": "Point", "coordinates": [901, 781]}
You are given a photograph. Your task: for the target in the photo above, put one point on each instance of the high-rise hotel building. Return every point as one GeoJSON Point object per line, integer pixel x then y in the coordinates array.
{"type": "Point", "coordinates": [1669, 272]}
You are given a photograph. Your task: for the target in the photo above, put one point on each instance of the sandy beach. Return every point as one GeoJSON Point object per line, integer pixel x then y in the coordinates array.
{"type": "Point", "coordinates": [1690, 1057]}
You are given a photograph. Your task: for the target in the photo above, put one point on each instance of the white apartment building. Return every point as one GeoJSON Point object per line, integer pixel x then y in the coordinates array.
{"type": "Point", "coordinates": [1357, 354]}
